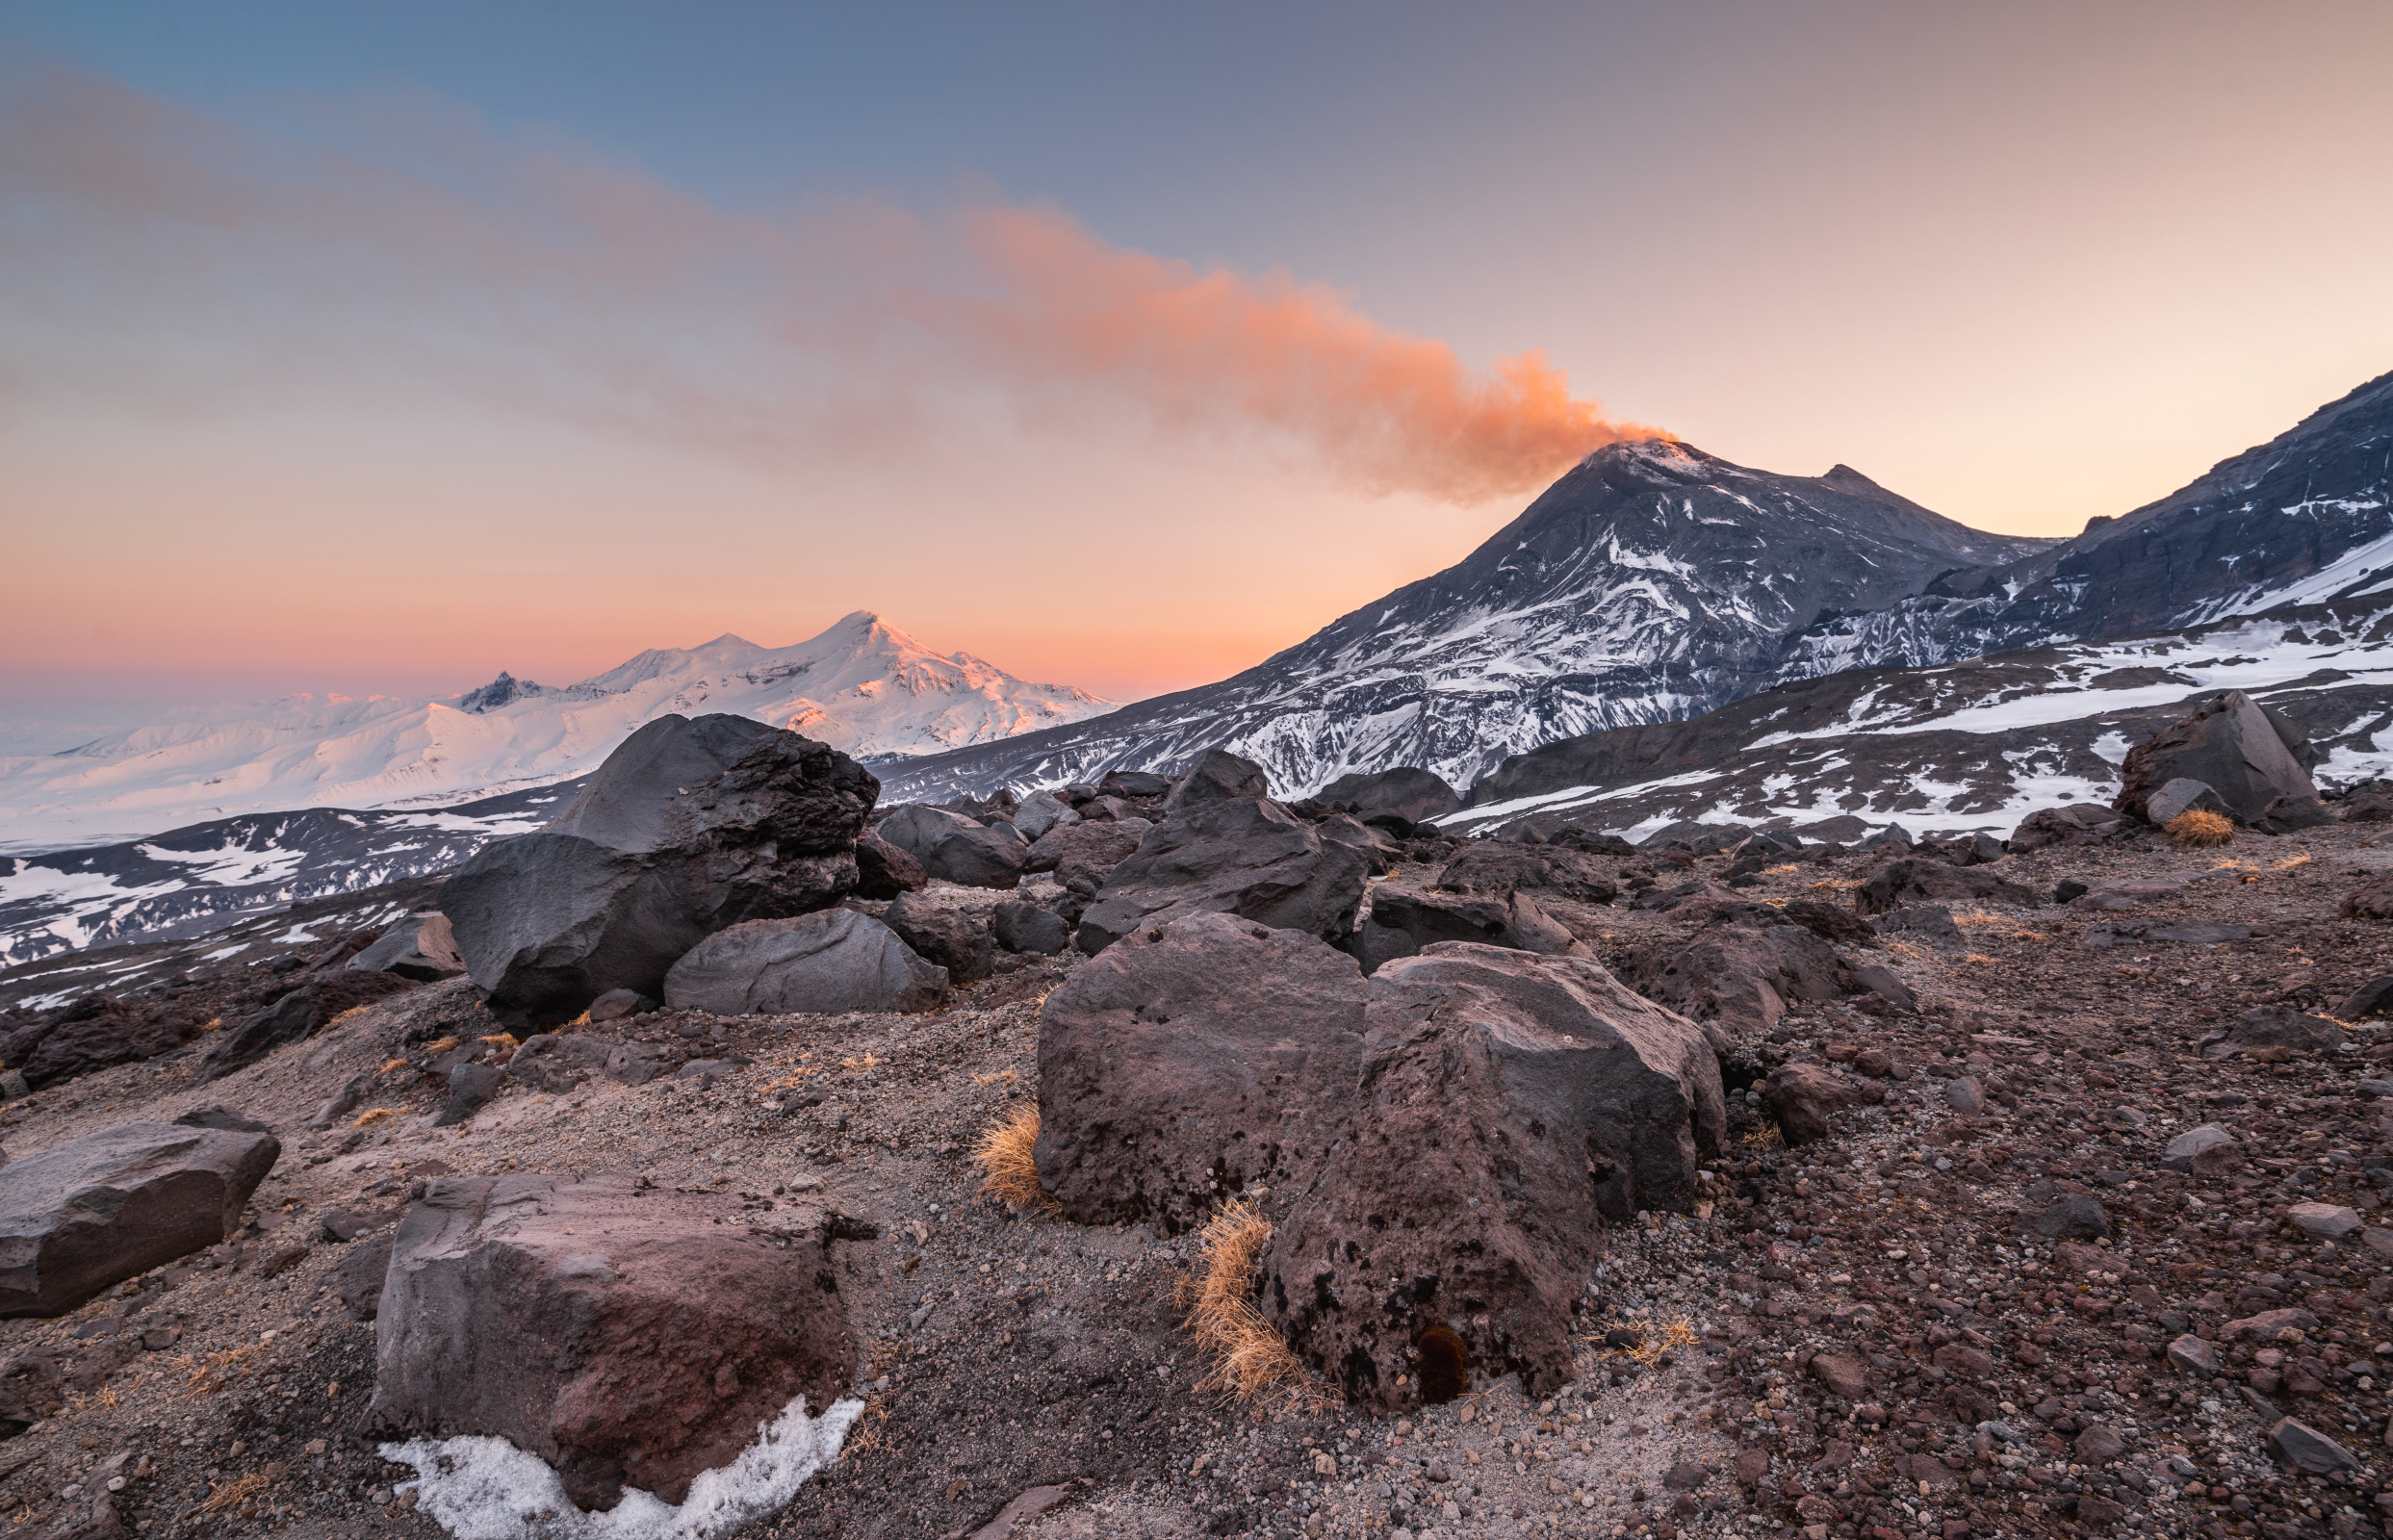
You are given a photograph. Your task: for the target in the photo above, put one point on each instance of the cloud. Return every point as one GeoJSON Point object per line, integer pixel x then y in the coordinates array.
{"type": "Point", "coordinates": [159, 260]}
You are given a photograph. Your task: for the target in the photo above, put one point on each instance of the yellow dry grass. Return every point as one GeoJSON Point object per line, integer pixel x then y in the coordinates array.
{"type": "Point", "coordinates": [389, 1064]}
{"type": "Point", "coordinates": [871, 1433]}
{"type": "Point", "coordinates": [502, 1040]}
{"type": "Point", "coordinates": [1009, 1172]}
{"type": "Point", "coordinates": [1837, 883]}
{"type": "Point", "coordinates": [439, 1045]}
{"type": "Point", "coordinates": [1003, 1077]}
{"type": "Point", "coordinates": [1668, 1337]}
{"type": "Point", "coordinates": [215, 1371]}
{"type": "Point", "coordinates": [2197, 828]}
{"type": "Point", "coordinates": [2291, 861]}
{"type": "Point", "coordinates": [1782, 870]}
{"type": "Point", "coordinates": [1250, 1363]}
{"type": "Point", "coordinates": [374, 1114]}
{"type": "Point", "coordinates": [228, 1495]}
{"type": "Point", "coordinates": [861, 1066]}
{"type": "Point", "coordinates": [352, 1010]}
{"type": "Point", "coordinates": [1980, 959]}
{"type": "Point", "coordinates": [1766, 1137]}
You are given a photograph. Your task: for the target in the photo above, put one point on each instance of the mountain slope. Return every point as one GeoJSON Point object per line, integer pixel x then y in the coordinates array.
{"type": "Point", "coordinates": [1651, 582]}
{"type": "Point", "coordinates": [862, 686]}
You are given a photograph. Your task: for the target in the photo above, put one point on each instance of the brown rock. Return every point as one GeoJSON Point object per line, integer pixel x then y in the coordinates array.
{"type": "Point", "coordinates": [1922, 879]}
{"type": "Point", "coordinates": [1804, 1099]}
{"type": "Point", "coordinates": [1245, 856]}
{"type": "Point", "coordinates": [1843, 1374]}
{"type": "Point", "coordinates": [884, 871]}
{"type": "Point", "coordinates": [627, 1336]}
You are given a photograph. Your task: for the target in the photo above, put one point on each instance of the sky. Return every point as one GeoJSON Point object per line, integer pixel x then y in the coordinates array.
{"type": "Point", "coordinates": [380, 349]}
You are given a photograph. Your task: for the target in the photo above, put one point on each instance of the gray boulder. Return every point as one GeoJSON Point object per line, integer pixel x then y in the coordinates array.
{"type": "Point", "coordinates": [951, 937]}
{"type": "Point", "coordinates": [956, 848]}
{"type": "Point", "coordinates": [628, 1336]}
{"type": "Point", "coordinates": [80, 1216]}
{"type": "Point", "coordinates": [829, 961]}
{"type": "Point", "coordinates": [1507, 1105]}
{"type": "Point", "coordinates": [1041, 813]}
{"type": "Point", "coordinates": [1095, 848]}
{"type": "Point", "coordinates": [1502, 867]}
{"type": "Point", "coordinates": [1245, 856]}
{"type": "Point", "coordinates": [1190, 1059]}
{"type": "Point", "coordinates": [1416, 795]}
{"type": "Point", "coordinates": [2267, 1028]}
{"type": "Point", "coordinates": [2077, 824]}
{"type": "Point", "coordinates": [2179, 797]}
{"type": "Point", "coordinates": [1134, 783]}
{"type": "Point", "coordinates": [690, 826]}
{"type": "Point", "coordinates": [1030, 928]}
{"type": "Point", "coordinates": [1217, 775]}
{"type": "Point", "coordinates": [1740, 969]}
{"type": "Point", "coordinates": [2228, 744]}
{"type": "Point", "coordinates": [1403, 920]}
{"type": "Point", "coordinates": [420, 947]}
{"type": "Point", "coordinates": [884, 871]}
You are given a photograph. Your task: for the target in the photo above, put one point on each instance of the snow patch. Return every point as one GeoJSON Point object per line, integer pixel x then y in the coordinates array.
{"type": "Point", "coordinates": [487, 1489]}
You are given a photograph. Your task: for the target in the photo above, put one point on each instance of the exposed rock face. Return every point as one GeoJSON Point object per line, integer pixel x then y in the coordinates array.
{"type": "Point", "coordinates": [1189, 1060]}
{"type": "Point", "coordinates": [1093, 846]}
{"type": "Point", "coordinates": [420, 947]}
{"type": "Point", "coordinates": [829, 961]}
{"type": "Point", "coordinates": [1508, 1103]}
{"type": "Point", "coordinates": [1739, 970]}
{"type": "Point", "coordinates": [629, 1337]}
{"type": "Point", "coordinates": [1502, 867]}
{"type": "Point", "coordinates": [1922, 880]}
{"type": "Point", "coordinates": [90, 1034]}
{"type": "Point", "coordinates": [690, 826]}
{"type": "Point", "coordinates": [2229, 745]}
{"type": "Point", "coordinates": [296, 1017]}
{"type": "Point", "coordinates": [1216, 775]}
{"type": "Point", "coordinates": [884, 871]}
{"type": "Point", "coordinates": [955, 848]}
{"type": "Point", "coordinates": [1245, 856]}
{"type": "Point", "coordinates": [1403, 921]}
{"type": "Point", "coordinates": [957, 941]}
{"type": "Point", "coordinates": [80, 1216]}
{"type": "Point", "coordinates": [1409, 792]}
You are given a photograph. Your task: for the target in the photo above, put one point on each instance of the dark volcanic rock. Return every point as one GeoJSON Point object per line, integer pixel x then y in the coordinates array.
{"type": "Point", "coordinates": [1029, 928]}
{"type": "Point", "coordinates": [93, 1033]}
{"type": "Point", "coordinates": [1738, 970]}
{"type": "Point", "coordinates": [1134, 783]}
{"type": "Point", "coordinates": [1805, 1099]}
{"type": "Point", "coordinates": [78, 1216]}
{"type": "Point", "coordinates": [1831, 922]}
{"type": "Point", "coordinates": [2276, 1027]}
{"type": "Point", "coordinates": [559, 1062]}
{"type": "Point", "coordinates": [957, 941]}
{"type": "Point", "coordinates": [955, 848]}
{"type": "Point", "coordinates": [1246, 857]}
{"type": "Point", "coordinates": [2229, 745]}
{"type": "Point", "coordinates": [1217, 775]}
{"type": "Point", "coordinates": [1404, 920]}
{"type": "Point", "coordinates": [833, 961]}
{"type": "Point", "coordinates": [884, 871]}
{"type": "Point", "coordinates": [1502, 867]}
{"type": "Point", "coordinates": [2081, 823]}
{"type": "Point", "coordinates": [1414, 794]}
{"type": "Point", "coordinates": [690, 826]}
{"type": "Point", "coordinates": [2174, 799]}
{"type": "Point", "coordinates": [1920, 880]}
{"type": "Point", "coordinates": [1177, 1067]}
{"type": "Point", "coordinates": [1508, 1103]}
{"type": "Point", "coordinates": [296, 1017]}
{"type": "Point", "coordinates": [628, 1336]}
{"type": "Point", "coordinates": [1093, 847]}
{"type": "Point", "coordinates": [420, 947]}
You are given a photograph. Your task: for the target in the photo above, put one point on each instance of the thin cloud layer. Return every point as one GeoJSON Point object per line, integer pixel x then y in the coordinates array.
{"type": "Point", "coordinates": [161, 261]}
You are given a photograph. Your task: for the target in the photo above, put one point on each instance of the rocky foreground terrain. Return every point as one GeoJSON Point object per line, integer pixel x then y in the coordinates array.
{"type": "Point", "coordinates": [2012, 1192]}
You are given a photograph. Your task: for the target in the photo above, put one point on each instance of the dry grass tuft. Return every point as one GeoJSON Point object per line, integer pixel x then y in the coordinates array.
{"type": "Point", "coordinates": [2198, 827]}
{"type": "Point", "coordinates": [1768, 1136]}
{"type": "Point", "coordinates": [1668, 1337]}
{"type": "Point", "coordinates": [352, 1010]}
{"type": "Point", "coordinates": [374, 1114]}
{"type": "Point", "coordinates": [502, 1040]}
{"type": "Point", "coordinates": [439, 1045]}
{"type": "Point", "coordinates": [389, 1064]}
{"type": "Point", "coordinates": [1004, 1154]}
{"type": "Point", "coordinates": [2291, 861]}
{"type": "Point", "coordinates": [871, 1433]}
{"type": "Point", "coordinates": [1782, 870]}
{"type": "Point", "coordinates": [229, 1495]}
{"type": "Point", "coordinates": [1249, 1361]}
{"type": "Point", "coordinates": [214, 1372]}
{"type": "Point", "coordinates": [1003, 1077]}
{"type": "Point", "coordinates": [1836, 885]}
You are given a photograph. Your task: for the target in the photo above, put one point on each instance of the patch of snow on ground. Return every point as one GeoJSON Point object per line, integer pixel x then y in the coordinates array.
{"type": "Point", "coordinates": [230, 864]}
{"type": "Point", "coordinates": [487, 1489]}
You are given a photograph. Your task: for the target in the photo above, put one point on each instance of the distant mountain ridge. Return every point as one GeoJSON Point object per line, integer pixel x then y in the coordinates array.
{"type": "Point", "coordinates": [863, 686]}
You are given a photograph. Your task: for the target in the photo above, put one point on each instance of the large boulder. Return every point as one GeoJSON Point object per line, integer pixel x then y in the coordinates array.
{"type": "Point", "coordinates": [829, 961]}
{"type": "Point", "coordinates": [1217, 775]}
{"type": "Point", "coordinates": [296, 1017]}
{"type": "Point", "coordinates": [690, 826]}
{"type": "Point", "coordinates": [2228, 744]}
{"type": "Point", "coordinates": [422, 947]}
{"type": "Point", "coordinates": [941, 934]}
{"type": "Point", "coordinates": [1503, 866]}
{"type": "Point", "coordinates": [1923, 880]}
{"type": "Point", "coordinates": [1030, 928]}
{"type": "Point", "coordinates": [1738, 970]}
{"type": "Point", "coordinates": [1134, 783]}
{"type": "Point", "coordinates": [1095, 847]}
{"type": "Point", "coordinates": [1246, 857]}
{"type": "Point", "coordinates": [957, 849]}
{"type": "Point", "coordinates": [2077, 824]}
{"type": "Point", "coordinates": [1042, 812]}
{"type": "Point", "coordinates": [2179, 797]}
{"type": "Point", "coordinates": [93, 1032]}
{"type": "Point", "coordinates": [1507, 1105]}
{"type": "Point", "coordinates": [630, 1336]}
{"type": "Point", "coordinates": [884, 871]}
{"type": "Point", "coordinates": [1403, 920]}
{"type": "Point", "coordinates": [1190, 1059]}
{"type": "Point", "coordinates": [1410, 793]}
{"type": "Point", "coordinates": [80, 1216]}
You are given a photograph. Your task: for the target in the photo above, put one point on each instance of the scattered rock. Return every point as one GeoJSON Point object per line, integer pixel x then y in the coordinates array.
{"type": "Point", "coordinates": [620, 1004]}
{"type": "Point", "coordinates": [1739, 972]}
{"type": "Point", "coordinates": [2374, 998]}
{"type": "Point", "coordinates": [2276, 1027]}
{"type": "Point", "coordinates": [956, 848]}
{"type": "Point", "coordinates": [2081, 823]}
{"type": "Point", "coordinates": [1930, 922]}
{"type": "Point", "coordinates": [2077, 1217]}
{"type": "Point", "coordinates": [2331, 1221]}
{"type": "Point", "coordinates": [2307, 1449]}
{"type": "Point", "coordinates": [1093, 847]}
{"type": "Point", "coordinates": [1031, 928]}
{"type": "Point", "coordinates": [92, 1212]}
{"type": "Point", "coordinates": [1919, 880]}
{"type": "Point", "coordinates": [1843, 1374]}
{"type": "Point", "coordinates": [828, 962]}
{"type": "Point", "coordinates": [628, 1337]}
{"type": "Point", "coordinates": [557, 1061]}
{"type": "Point", "coordinates": [1416, 795]}
{"type": "Point", "coordinates": [953, 938]}
{"type": "Point", "coordinates": [420, 947]}
{"type": "Point", "coordinates": [295, 1018]}
{"type": "Point", "coordinates": [1403, 920]}
{"type": "Point", "coordinates": [2187, 1148]}
{"type": "Point", "coordinates": [471, 1086]}
{"type": "Point", "coordinates": [1245, 856]}
{"type": "Point", "coordinates": [1216, 775]}
{"type": "Point", "coordinates": [1490, 866]}
{"type": "Point", "coordinates": [884, 871]}
{"type": "Point", "coordinates": [690, 826]}
{"type": "Point", "coordinates": [1966, 1095]}
{"type": "Point", "coordinates": [93, 1032]}
{"type": "Point", "coordinates": [1804, 1099]}
{"type": "Point", "coordinates": [357, 1277]}
{"type": "Point", "coordinates": [2189, 1354]}
{"type": "Point", "coordinates": [1042, 812]}
{"type": "Point", "coordinates": [2179, 797]}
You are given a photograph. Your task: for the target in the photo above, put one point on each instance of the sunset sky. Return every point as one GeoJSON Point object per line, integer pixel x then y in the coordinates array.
{"type": "Point", "coordinates": [378, 348]}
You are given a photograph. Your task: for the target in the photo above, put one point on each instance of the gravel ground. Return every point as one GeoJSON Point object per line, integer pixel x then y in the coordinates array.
{"type": "Point", "coordinates": [1981, 1378]}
